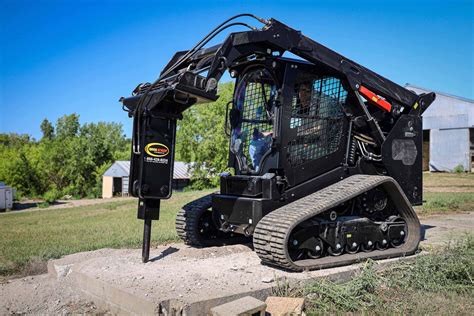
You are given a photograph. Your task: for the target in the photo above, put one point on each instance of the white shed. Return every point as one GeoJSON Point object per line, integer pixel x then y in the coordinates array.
{"type": "Point", "coordinates": [115, 179]}
{"type": "Point", "coordinates": [7, 195]}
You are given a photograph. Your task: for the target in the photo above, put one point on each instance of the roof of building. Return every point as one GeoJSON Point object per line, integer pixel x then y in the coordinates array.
{"type": "Point", "coordinates": [408, 85]}
{"type": "Point", "coordinates": [121, 168]}
{"type": "Point", "coordinates": [447, 111]}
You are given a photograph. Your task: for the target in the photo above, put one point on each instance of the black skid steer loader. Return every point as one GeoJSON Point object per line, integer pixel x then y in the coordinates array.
{"type": "Point", "coordinates": [326, 153]}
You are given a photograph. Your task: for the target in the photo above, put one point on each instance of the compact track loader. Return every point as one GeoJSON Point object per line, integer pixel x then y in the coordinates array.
{"type": "Point", "coordinates": [326, 153]}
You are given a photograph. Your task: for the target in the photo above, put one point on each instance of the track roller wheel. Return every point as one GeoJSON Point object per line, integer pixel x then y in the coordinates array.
{"type": "Point", "coordinates": [335, 251]}
{"type": "Point", "coordinates": [381, 245]}
{"type": "Point", "coordinates": [367, 247]}
{"type": "Point", "coordinates": [352, 248]}
{"type": "Point", "coordinates": [318, 250]}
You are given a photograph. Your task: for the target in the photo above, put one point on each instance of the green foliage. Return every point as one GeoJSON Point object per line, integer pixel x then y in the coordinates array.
{"type": "Point", "coordinates": [459, 169]}
{"type": "Point", "coordinates": [201, 139]}
{"type": "Point", "coordinates": [70, 162]}
{"type": "Point", "coordinates": [67, 126]}
{"type": "Point", "coordinates": [14, 140]}
{"type": "Point", "coordinates": [449, 269]}
{"type": "Point", "coordinates": [52, 195]}
{"type": "Point", "coordinates": [47, 129]}
{"type": "Point", "coordinates": [357, 294]}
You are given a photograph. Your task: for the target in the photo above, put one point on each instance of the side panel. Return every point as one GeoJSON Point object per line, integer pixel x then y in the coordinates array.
{"type": "Point", "coordinates": [402, 156]}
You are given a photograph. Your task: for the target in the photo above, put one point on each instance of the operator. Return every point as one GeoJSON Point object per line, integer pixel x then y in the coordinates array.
{"type": "Point", "coordinates": [258, 146]}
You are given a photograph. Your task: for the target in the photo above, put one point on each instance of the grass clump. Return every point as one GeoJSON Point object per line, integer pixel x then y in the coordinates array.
{"type": "Point", "coordinates": [440, 282]}
{"type": "Point", "coordinates": [358, 294]}
{"type": "Point", "coordinates": [450, 268]}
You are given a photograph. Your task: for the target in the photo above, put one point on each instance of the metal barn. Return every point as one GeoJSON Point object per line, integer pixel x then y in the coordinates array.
{"type": "Point", "coordinates": [115, 179]}
{"type": "Point", "coordinates": [448, 132]}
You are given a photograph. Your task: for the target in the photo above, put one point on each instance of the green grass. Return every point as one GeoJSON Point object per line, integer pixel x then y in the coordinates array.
{"type": "Point", "coordinates": [447, 192]}
{"type": "Point", "coordinates": [29, 238]}
{"type": "Point", "coordinates": [442, 202]}
{"type": "Point", "coordinates": [439, 283]}
{"type": "Point", "coordinates": [453, 181]}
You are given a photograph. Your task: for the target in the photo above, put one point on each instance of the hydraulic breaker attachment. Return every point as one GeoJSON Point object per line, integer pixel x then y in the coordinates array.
{"type": "Point", "coordinates": [151, 169]}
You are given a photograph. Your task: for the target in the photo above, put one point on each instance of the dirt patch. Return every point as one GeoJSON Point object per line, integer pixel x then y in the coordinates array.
{"type": "Point", "coordinates": [467, 188]}
{"type": "Point", "coordinates": [32, 205]}
{"type": "Point", "coordinates": [42, 295]}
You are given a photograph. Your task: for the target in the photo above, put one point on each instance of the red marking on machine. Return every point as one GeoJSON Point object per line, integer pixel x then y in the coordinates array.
{"type": "Point", "coordinates": [375, 99]}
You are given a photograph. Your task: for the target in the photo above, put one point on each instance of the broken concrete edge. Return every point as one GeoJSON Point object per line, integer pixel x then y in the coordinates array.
{"type": "Point", "coordinates": [58, 271]}
{"type": "Point", "coordinates": [109, 297]}
{"type": "Point", "coordinates": [122, 302]}
{"type": "Point", "coordinates": [203, 307]}
{"type": "Point", "coordinates": [247, 305]}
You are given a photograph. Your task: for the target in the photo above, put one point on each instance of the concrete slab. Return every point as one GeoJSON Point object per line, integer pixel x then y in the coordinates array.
{"type": "Point", "coordinates": [180, 279]}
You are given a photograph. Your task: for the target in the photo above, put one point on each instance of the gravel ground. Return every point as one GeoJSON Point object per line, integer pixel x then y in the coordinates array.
{"type": "Point", "coordinates": [42, 294]}
{"type": "Point", "coordinates": [175, 271]}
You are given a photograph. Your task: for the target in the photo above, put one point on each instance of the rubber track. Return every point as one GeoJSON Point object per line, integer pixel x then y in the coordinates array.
{"type": "Point", "coordinates": [187, 221]}
{"type": "Point", "coordinates": [271, 234]}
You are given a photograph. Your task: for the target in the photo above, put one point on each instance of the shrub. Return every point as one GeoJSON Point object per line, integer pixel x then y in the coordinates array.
{"type": "Point", "coordinates": [52, 195]}
{"type": "Point", "coordinates": [459, 169]}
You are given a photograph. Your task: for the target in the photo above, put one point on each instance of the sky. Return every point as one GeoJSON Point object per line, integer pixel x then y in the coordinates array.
{"type": "Point", "coordinates": [80, 56]}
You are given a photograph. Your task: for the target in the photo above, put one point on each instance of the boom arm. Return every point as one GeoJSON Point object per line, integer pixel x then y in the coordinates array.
{"type": "Point", "coordinates": [276, 37]}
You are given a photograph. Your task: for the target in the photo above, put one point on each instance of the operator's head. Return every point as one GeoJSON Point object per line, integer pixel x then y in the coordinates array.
{"type": "Point", "coordinates": [304, 94]}
{"type": "Point", "coordinates": [256, 134]}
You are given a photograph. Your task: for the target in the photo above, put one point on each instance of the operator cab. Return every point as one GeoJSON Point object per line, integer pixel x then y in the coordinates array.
{"type": "Point", "coordinates": [252, 119]}
{"type": "Point", "coordinates": [286, 115]}
{"type": "Point", "coordinates": [287, 125]}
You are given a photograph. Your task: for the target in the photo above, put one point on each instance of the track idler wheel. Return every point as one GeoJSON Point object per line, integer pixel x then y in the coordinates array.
{"type": "Point", "coordinates": [400, 239]}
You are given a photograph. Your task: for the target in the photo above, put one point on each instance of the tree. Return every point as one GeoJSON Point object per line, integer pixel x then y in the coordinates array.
{"type": "Point", "coordinates": [67, 126]}
{"type": "Point", "coordinates": [201, 139]}
{"type": "Point", "coordinates": [71, 163]}
{"type": "Point", "coordinates": [47, 129]}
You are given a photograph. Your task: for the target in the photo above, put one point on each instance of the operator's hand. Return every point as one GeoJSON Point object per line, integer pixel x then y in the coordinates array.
{"type": "Point", "coordinates": [265, 134]}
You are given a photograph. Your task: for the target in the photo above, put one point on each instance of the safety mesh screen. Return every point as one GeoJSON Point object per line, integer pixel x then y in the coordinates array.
{"type": "Point", "coordinates": [317, 116]}
{"type": "Point", "coordinates": [252, 137]}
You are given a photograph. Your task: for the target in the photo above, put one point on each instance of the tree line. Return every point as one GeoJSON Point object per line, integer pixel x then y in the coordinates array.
{"type": "Point", "coordinates": [71, 158]}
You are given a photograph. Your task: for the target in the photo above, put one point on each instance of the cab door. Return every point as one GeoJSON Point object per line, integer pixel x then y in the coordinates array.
{"type": "Point", "coordinates": [314, 125]}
